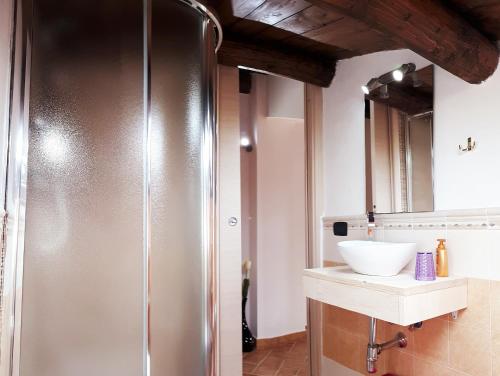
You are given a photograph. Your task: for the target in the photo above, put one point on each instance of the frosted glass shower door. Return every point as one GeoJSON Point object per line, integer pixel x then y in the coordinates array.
{"type": "Point", "coordinates": [82, 311]}
{"type": "Point", "coordinates": [118, 229]}
{"type": "Point", "coordinates": [181, 62]}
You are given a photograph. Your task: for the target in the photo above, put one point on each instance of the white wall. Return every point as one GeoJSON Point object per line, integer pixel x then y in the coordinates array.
{"type": "Point", "coordinates": [470, 180]}
{"type": "Point", "coordinates": [461, 110]}
{"type": "Point", "coordinates": [285, 98]}
{"type": "Point", "coordinates": [280, 250]}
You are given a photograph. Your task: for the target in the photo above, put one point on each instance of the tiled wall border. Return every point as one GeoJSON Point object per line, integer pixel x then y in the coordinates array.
{"type": "Point", "coordinates": [468, 219]}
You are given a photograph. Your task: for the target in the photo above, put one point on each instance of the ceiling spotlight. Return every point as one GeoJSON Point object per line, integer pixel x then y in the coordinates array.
{"type": "Point", "coordinates": [245, 144]}
{"type": "Point", "coordinates": [400, 73]}
{"type": "Point", "coordinates": [372, 84]}
{"type": "Point", "coordinates": [384, 92]}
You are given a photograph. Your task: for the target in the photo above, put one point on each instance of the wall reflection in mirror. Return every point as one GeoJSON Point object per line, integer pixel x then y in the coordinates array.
{"type": "Point", "coordinates": [398, 140]}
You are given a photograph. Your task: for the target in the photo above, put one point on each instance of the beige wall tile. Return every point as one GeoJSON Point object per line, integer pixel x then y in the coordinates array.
{"type": "Point", "coordinates": [478, 304]}
{"type": "Point", "coordinates": [399, 363]}
{"type": "Point", "coordinates": [328, 340]}
{"type": "Point", "coordinates": [349, 321]}
{"type": "Point", "coordinates": [431, 341]}
{"type": "Point", "coordinates": [468, 346]}
{"type": "Point", "coordinates": [470, 349]}
{"type": "Point", "coordinates": [393, 329]}
{"type": "Point", "coordinates": [495, 326]}
{"type": "Point", "coordinates": [495, 307]}
{"type": "Point", "coordinates": [422, 367]}
{"type": "Point", "coordinates": [342, 346]}
{"type": "Point", "coordinates": [495, 352]}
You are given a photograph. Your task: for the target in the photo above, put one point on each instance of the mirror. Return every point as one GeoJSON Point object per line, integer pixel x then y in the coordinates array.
{"type": "Point", "coordinates": [398, 141]}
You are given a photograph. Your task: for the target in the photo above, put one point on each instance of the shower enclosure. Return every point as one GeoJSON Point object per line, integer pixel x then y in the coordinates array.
{"type": "Point", "coordinates": [108, 257]}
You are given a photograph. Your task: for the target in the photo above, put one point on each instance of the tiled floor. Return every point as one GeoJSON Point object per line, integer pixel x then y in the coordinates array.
{"type": "Point", "coordinates": [285, 360]}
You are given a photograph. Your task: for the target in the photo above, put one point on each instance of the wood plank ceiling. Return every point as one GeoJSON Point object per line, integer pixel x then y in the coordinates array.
{"type": "Point", "coordinates": [304, 39]}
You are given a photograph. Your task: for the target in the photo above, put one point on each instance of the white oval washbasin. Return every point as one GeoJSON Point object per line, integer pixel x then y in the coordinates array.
{"type": "Point", "coordinates": [377, 258]}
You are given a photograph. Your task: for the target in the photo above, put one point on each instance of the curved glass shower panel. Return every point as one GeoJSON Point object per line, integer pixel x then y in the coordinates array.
{"type": "Point", "coordinates": [82, 310]}
{"type": "Point", "coordinates": [180, 100]}
{"type": "Point", "coordinates": [118, 275]}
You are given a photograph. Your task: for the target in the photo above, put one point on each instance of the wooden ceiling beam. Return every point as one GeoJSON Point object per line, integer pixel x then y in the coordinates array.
{"type": "Point", "coordinates": [294, 64]}
{"type": "Point", "coordinates": [428, 28]}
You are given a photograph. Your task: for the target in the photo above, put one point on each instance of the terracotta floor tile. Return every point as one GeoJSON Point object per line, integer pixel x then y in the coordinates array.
{"type": "Point", "coordinates": [282, 360]}
{"type": "Point", "coordinates": [287, 371]}
{"type": "Point", "coordinates": [249, 367]}
{"type": "Point", "coordinates": [283, 351]}
{"type": "Point", "coordinates": [269, 366]}
{"type": "Point", "coordinates": [256, 356]}
{"type": "Point", "coordinates": [299, 347]}
{"type": "Point", "coordinates": [294, 363]}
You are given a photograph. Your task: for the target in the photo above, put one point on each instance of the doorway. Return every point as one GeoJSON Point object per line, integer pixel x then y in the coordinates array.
{"type": "Point", "coordinates": [273, 222]}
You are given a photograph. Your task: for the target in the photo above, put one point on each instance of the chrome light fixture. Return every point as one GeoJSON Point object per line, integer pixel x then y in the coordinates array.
{"type": "Point", "coordinates": [384, 92]}
{"type": "Point", "coordinates": [417, 82]}
{"type": "Point", "coordinates": [397, 75]}
{"type": "Point", "coordinates": [372, 84]}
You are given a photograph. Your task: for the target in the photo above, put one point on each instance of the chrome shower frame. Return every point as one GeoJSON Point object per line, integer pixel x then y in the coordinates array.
{"type": "Point", "coordinates": [15, 188]}
{"type": "Point", "coordinates": [16, 176]}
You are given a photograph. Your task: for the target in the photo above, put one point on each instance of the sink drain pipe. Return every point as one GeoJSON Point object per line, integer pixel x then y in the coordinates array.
{"type": "Point", "coordinates": [374, 349]}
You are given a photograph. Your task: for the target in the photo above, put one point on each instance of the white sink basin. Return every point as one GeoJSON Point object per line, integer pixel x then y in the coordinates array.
{"type": "Point", "coordinates": [377, 258]}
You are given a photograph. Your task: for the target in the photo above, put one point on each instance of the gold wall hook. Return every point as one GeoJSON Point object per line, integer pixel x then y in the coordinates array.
{"type": "Point", "coordinates": [471, 145]}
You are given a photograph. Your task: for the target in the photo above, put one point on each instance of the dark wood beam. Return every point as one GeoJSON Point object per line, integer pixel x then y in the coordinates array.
{"type": "Point", "coordinates": [428, 28]}
{"type": "Point", "coordinates": [245, 81]}
{"type": "Point", "coordinates": [410, 101]}
{"type": "Point", "coordinates": [290, 63]}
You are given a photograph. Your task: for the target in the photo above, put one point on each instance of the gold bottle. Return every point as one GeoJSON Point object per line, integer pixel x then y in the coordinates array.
{"type": "Point", "coordinates": [441, 259]}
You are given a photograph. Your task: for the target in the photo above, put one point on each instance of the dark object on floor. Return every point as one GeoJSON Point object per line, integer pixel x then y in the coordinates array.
{"type": "Point", "coordinates": [340, 228]}
{"type": "Point", "coordinates": [249, 342]}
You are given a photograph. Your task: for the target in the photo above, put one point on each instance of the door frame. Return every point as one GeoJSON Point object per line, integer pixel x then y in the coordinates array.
{"type": "Point", "coordinates": [229, 222]}
{"type": "Point", "coordinates": [313, 111]}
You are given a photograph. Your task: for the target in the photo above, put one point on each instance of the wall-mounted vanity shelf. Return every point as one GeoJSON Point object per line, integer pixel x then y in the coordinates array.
{"type": "Point", "coordinates": [400, 299]}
